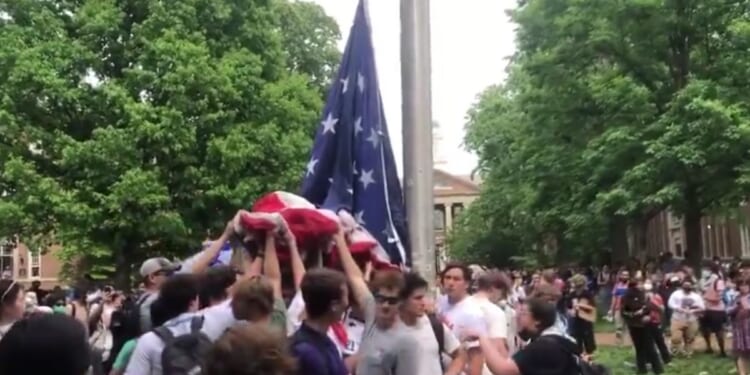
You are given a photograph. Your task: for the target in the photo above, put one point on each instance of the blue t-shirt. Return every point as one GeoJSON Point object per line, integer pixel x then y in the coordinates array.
{"type": "Point", "coordinates": [316, 354]}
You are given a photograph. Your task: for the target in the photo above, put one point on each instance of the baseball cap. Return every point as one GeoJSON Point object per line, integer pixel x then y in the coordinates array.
{"type": "Point", "coordinates": [153, 265]}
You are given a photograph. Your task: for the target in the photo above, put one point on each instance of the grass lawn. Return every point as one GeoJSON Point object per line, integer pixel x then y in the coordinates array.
{"type": "Point", "coordinates": [700, 364]}
{"type": "Point", "coordinates": [602, 325]}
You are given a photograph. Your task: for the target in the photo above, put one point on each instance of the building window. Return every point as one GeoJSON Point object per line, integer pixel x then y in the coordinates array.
{"type": "Point", "coordinates": [439, 217]}
{"type": "Point", "coordinates": [676, 221]}
{"type": "Point", "coordinates": [678, 250]}
{"type": "Point", "coordinates": [35, 263]}
{"type": "Point", "coordinates": [6, 258]}
{"type": "Point", "coordinates": [458, 208]}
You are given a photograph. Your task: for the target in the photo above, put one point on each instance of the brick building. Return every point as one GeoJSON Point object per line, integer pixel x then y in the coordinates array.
{"type": "Point", "coordinates": [20, 263]}
{"type": "Point", "coordinates": [721, 236]}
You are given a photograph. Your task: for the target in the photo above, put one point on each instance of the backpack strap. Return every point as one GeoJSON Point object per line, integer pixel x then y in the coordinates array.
{"type": "Point", "coordinates": [141, 300]}
{"type": "Point", "coordinates": [164, 334]}
{"type": "Point", "coordinates": [438, 329]}
{"type": "Point", "coordinates": [196, 323]}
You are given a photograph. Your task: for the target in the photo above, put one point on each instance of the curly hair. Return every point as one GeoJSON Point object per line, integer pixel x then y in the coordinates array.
{"type": "Point", "coordinates": [250, 349]}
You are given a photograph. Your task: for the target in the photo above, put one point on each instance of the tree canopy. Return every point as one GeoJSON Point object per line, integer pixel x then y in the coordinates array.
{"type": "Point", "coordinates": [133, 127]}
{"type": "Point", "coordinates": [612, 111]}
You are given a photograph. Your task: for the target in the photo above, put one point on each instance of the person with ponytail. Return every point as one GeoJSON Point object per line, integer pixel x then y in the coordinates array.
{"type": "Point", "coordinates": [12, 304]}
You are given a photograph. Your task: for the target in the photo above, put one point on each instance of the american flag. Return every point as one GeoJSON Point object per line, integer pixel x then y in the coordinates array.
{"type": "Point", "coordinates": [352, 165]}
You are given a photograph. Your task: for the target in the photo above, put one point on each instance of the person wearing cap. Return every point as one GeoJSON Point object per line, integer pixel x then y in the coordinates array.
{"type": "Point", "coordinates": [155, 272]}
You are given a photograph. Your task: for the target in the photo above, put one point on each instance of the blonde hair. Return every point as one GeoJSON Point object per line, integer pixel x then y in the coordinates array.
{"type": "Point", "coordinates": [253, 299]}
{"type": "Point", "coordinates": [250, 349]}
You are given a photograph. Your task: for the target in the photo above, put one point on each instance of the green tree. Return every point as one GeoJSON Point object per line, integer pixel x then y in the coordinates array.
{"type": "Point", "coordinates": [132, 127]}
{"type": "Point", "coordinates": [613, 111]}
{"type": "Point", "coordinates": [309, 37]}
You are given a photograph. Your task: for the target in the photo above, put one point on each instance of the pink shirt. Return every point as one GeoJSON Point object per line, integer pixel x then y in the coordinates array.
{"type": "Point", "coordinates": [712, 290]}
{"type": "Point", "coordinates": [559, 284]}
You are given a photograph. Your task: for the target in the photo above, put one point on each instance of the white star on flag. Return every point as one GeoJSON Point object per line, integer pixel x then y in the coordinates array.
{"type": "Point", "coordinates": [387, 232]}
{"type": "Point", "coordinates": [374, 138]}
{"type": "Point", "coordinates": [358, 125]}
{"type": "Point", "coordinates": [361, 82]}
{"type": "Point", "coordinates": [344, 85]}
{"type": "Point", "coordinates": [360, 217]}
{"type": "Point", "coordinates": [311, 166]}
{"type": "Point", "coordinates": [366, 178]}
{"type": "Point", "coordinates": [329, 124]}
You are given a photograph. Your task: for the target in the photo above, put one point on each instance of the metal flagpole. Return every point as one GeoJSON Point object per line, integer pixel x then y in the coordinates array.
{"type": "Point", "coordinates": [417, 133]}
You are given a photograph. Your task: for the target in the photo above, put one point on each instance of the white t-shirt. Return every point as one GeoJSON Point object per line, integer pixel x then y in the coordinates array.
{"type": "Point", "coordinates": [510, 318]}
{"type": "Point", "coordinates": [465, 314]}
{"type": "Point", "coordinates": [427, 356]}
{"type": "Point", "coordinates": [517, 295]}
{"type": "Point", "coordinates": [685, 306]}
{"type": "Point", "coordinates": [495, 320]}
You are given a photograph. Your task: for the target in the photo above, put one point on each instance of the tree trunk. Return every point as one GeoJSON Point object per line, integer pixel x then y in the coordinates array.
{"type": "Point", "coordinates": [560, 251]}
{"type": "Point", "coordinates": [693, 236]}
{"type": "Point", "coordinates": [642, 244]}
{"type": "Point", "coordinates": [123, 269]}
{"type": "Point", "coordinates": [618, 239]}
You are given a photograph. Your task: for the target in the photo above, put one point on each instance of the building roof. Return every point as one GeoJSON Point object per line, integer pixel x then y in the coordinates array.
{"type": "Point", "coordinates": [446, 184]}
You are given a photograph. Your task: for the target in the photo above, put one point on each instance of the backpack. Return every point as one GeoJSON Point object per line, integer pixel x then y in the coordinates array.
{"type": "Point", "coordinates": [581, 367]}
{"type": "Point", "coordinates": [439, 330]}
{"type": "Point", "coordinates": [128, 317]}
{"type": "Point", "coordinates": [184, 354]}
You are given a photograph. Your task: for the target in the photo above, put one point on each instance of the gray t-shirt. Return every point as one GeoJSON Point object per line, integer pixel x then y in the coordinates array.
{"type": "Point", "coordinates": [386, 352]}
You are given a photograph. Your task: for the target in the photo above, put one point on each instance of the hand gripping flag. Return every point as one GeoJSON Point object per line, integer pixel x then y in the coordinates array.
{"type": "Point", "coordinates": [352, 167]}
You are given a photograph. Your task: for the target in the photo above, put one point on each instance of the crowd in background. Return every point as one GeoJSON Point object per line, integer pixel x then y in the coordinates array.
{"type": "Point", "coordinates": [219, 319]}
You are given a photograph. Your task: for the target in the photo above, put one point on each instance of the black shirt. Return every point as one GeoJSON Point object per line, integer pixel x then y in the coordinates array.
{"type": "Point", "coordinates": [547, 355]}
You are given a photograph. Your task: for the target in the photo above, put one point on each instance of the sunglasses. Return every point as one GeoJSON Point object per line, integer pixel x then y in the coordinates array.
{"type": "Point", "coordinates": [381, 299]}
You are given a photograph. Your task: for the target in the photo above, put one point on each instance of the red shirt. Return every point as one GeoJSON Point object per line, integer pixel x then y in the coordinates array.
{"type": "Point", "coordinates": [655, 314]}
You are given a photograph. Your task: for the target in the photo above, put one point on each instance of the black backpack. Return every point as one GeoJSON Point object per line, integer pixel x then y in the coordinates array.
{"type": "Point", "coordinates": [581, 367]}
{"type": "Point", "coordinates": [184, 354]}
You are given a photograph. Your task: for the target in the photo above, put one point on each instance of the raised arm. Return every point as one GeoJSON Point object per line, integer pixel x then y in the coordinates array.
{"type": "Point", "coordinates": [298, 267]}
{"type": "Point", "coordinates": [252, 266]}
{"type": "Point", "coordinates": [353, 273]}
{"type": "Point", "coordinates": [271, 264]}
{"type": "Point", "coordinates": [206, 257]}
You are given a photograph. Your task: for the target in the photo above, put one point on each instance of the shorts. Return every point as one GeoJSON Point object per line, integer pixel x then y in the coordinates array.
{"type": "Point", "coordinates": [713, 321]}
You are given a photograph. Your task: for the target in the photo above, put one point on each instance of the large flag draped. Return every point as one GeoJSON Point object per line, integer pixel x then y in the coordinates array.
{"type": "Point", "coordinates": [352, 165]}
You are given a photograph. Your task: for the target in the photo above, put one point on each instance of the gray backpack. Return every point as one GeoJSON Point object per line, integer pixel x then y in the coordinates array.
{"type": "Point", "coordinates": [184, 354]}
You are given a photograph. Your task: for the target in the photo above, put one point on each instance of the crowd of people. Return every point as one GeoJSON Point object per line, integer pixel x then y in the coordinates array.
{"type": "Point", "coordinates": [198, 317]}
